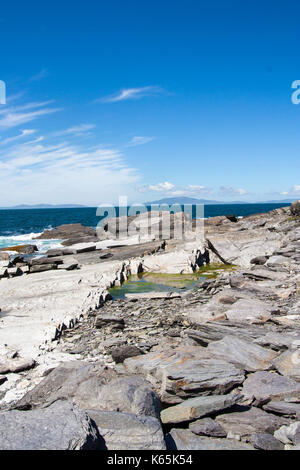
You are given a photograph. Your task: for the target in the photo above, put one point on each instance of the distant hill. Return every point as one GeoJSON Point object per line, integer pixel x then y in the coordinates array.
{"type": "Point", "coordinates": [44, 206]}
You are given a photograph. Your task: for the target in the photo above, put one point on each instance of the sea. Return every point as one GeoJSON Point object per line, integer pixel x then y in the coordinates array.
{"type": "Point", "coordinates": [22, 226]}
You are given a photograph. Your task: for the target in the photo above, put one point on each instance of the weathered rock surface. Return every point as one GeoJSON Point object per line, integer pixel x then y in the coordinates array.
{"type": "Point", "coordinates": [207, 427]}
{"type": "Point", "coordinates": [295, 208]}
{"type": "Point", "coordinates": [67, 231]}
{"type": "Point", "coordinates": [283, 408]}
{"type": "Point", "coordinates": [251, 421]}
{"type": "Point", "coordinates": [289, 434]}
{"type": "Point", "coordinates": [197, 407]}
{"type": "Point", "coordinates": [94, 387]}
{"type": "Point", "coordinates": [249, 311]}
{"type": "Point", "coordinates": [125, 431]}
{"type": "Point", "coordinates": [288, 363]}
{"type": "Point", "coordinates": [183, 439]}
{"type": "Point", "coordinates": [266, 442]}
{"type": "Point", "coordinates": [247, 355]}
{"type": "Point", "coordinates": [16, 365]}
{"type": "Point", "coordinates": [182, 373]}
{"type": "Point", "coordinates": [265, 386]}
{"type": "Point", "coordinates": [59, 427]}
{"type": "Point", "coordinates": [124, 352]}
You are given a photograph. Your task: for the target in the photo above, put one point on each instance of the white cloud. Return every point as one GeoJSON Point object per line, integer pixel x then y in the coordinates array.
{"type": "Point", "coordinates": [171, 190]}
{"type": "Point", "coordinates": [132, 94]}
{"type": "Point", "coordinates": [229, 191]}
{"type": "Point", "coordinates": [24, 133]}
{"type": "Point", "coordinates": [14, 116]}
{"type": "Point", "coordinates": [33, 172]}
{"type": "Point", "coordinates": [81, 129]}
{"type": "Point", "coordinates": [166, 186]}
{"type": "Point", "coordinates": [139, 141]}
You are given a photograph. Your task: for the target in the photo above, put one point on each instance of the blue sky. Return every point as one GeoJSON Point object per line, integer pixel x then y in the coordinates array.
{"type": "Point", "coordinates": [149, 100]}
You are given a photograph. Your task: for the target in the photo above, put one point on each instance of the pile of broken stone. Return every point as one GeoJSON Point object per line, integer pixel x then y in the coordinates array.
{"type": "Point", "coordinates": [217, 368]}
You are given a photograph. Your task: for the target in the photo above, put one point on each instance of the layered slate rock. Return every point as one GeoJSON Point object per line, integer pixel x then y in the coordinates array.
{"type": "Point", "coordinates": [126, 431]}
{"type": "Point", "coordinates": [71, 380]}
{"type": "Point", "coordinates": [60, 427]}
{"type": "Point", "coordinates": [127, 394]}
{"type": "Point", "coordinates": [278, 341]}
{"type": "Point", "coordinates": [186, 372]}
{"type": "Point", "coordinates": [283, 408]}
{"type": "Point", "coordinates": [266, 442]}
{"type": "Point", "coordinates": [288, 363]}
{"type": "Point", "coordinates": [94, 387]}
{"type": "Point", "coordinates": [249, 356]}
{"type": "Point", "coordinates": [249, 311]}
{"type": "Point", "coordinates": [197, 407]}
{"type": "Point", "coordinates": [67, 231]}
{"type": "Point", "coordinates": [242, 424]}
{"type": "Point", "coordinates": [183, 439]}
{"type": "Point", "coordinates": [265, 386]}
{"type": "Point", "coordinates": [207, 427]}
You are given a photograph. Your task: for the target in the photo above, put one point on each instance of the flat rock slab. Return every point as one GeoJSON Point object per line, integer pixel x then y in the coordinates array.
{"type": "Point", "coordinates": [59, 427]}
{"type": "Point", "coordinates": [283, 408]}
{"type": "Point", "coordinates": [207, 427]}
{"type": "Point", "coordinates": [288, 363]}
{"type": "Point", "coordinates": [197, 407]}
{"type": "Point", "coordinates": [183, 439]}
{"type": "Point", "coordinates": [251, 421]}
{"type": "Point", "coordinates": [125, 431]}
{"type": "Point", "coordinates": [94, 387]}
{"type": "Point", "coordinates": [183, 373]}
{"type": "Point", "coordinates": [249, 311]}
{"type": "Point", "coordinates": [264, 386]}
{"type": "Point", "coordinates": [245, 354]}
{"type": "Point", "coordinates": [278, 341]}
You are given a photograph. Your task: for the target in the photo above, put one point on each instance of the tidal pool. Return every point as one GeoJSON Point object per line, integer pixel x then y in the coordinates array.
{"type": "Point", "coordinates": [156, 282]}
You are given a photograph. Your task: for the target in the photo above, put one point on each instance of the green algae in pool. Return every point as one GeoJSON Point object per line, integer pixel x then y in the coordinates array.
{"type": "Point", "coordinates": [153, 282]}
{"type": "Point", "coordinates": [157, 282]}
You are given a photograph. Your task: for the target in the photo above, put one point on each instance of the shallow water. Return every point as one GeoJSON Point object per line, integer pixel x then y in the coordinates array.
{"type": "Point", "coordinates": [152, 282]}
{"type": "Point", "coordinates": [156, 282]}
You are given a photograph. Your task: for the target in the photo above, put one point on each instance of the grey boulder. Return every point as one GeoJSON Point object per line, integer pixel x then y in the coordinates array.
{"type": "Point", "coordinates": [126, 431]}
{"type": "Point", "coordinates": [266, 442]}
{"type": "Point", "coordinates": [95, 387]}
{"type": "Point", "coordinates": [60, 427]}
{"type": "Point", "coordinates": [207, 427]}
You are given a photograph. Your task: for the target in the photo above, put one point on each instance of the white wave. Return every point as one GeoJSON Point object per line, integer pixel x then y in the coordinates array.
{"type": "Point", "coordinates": [24, 239]}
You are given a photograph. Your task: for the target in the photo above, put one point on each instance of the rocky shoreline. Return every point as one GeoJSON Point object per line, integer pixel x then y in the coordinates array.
{"type": "Point", "coordinates": [216, 367]}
